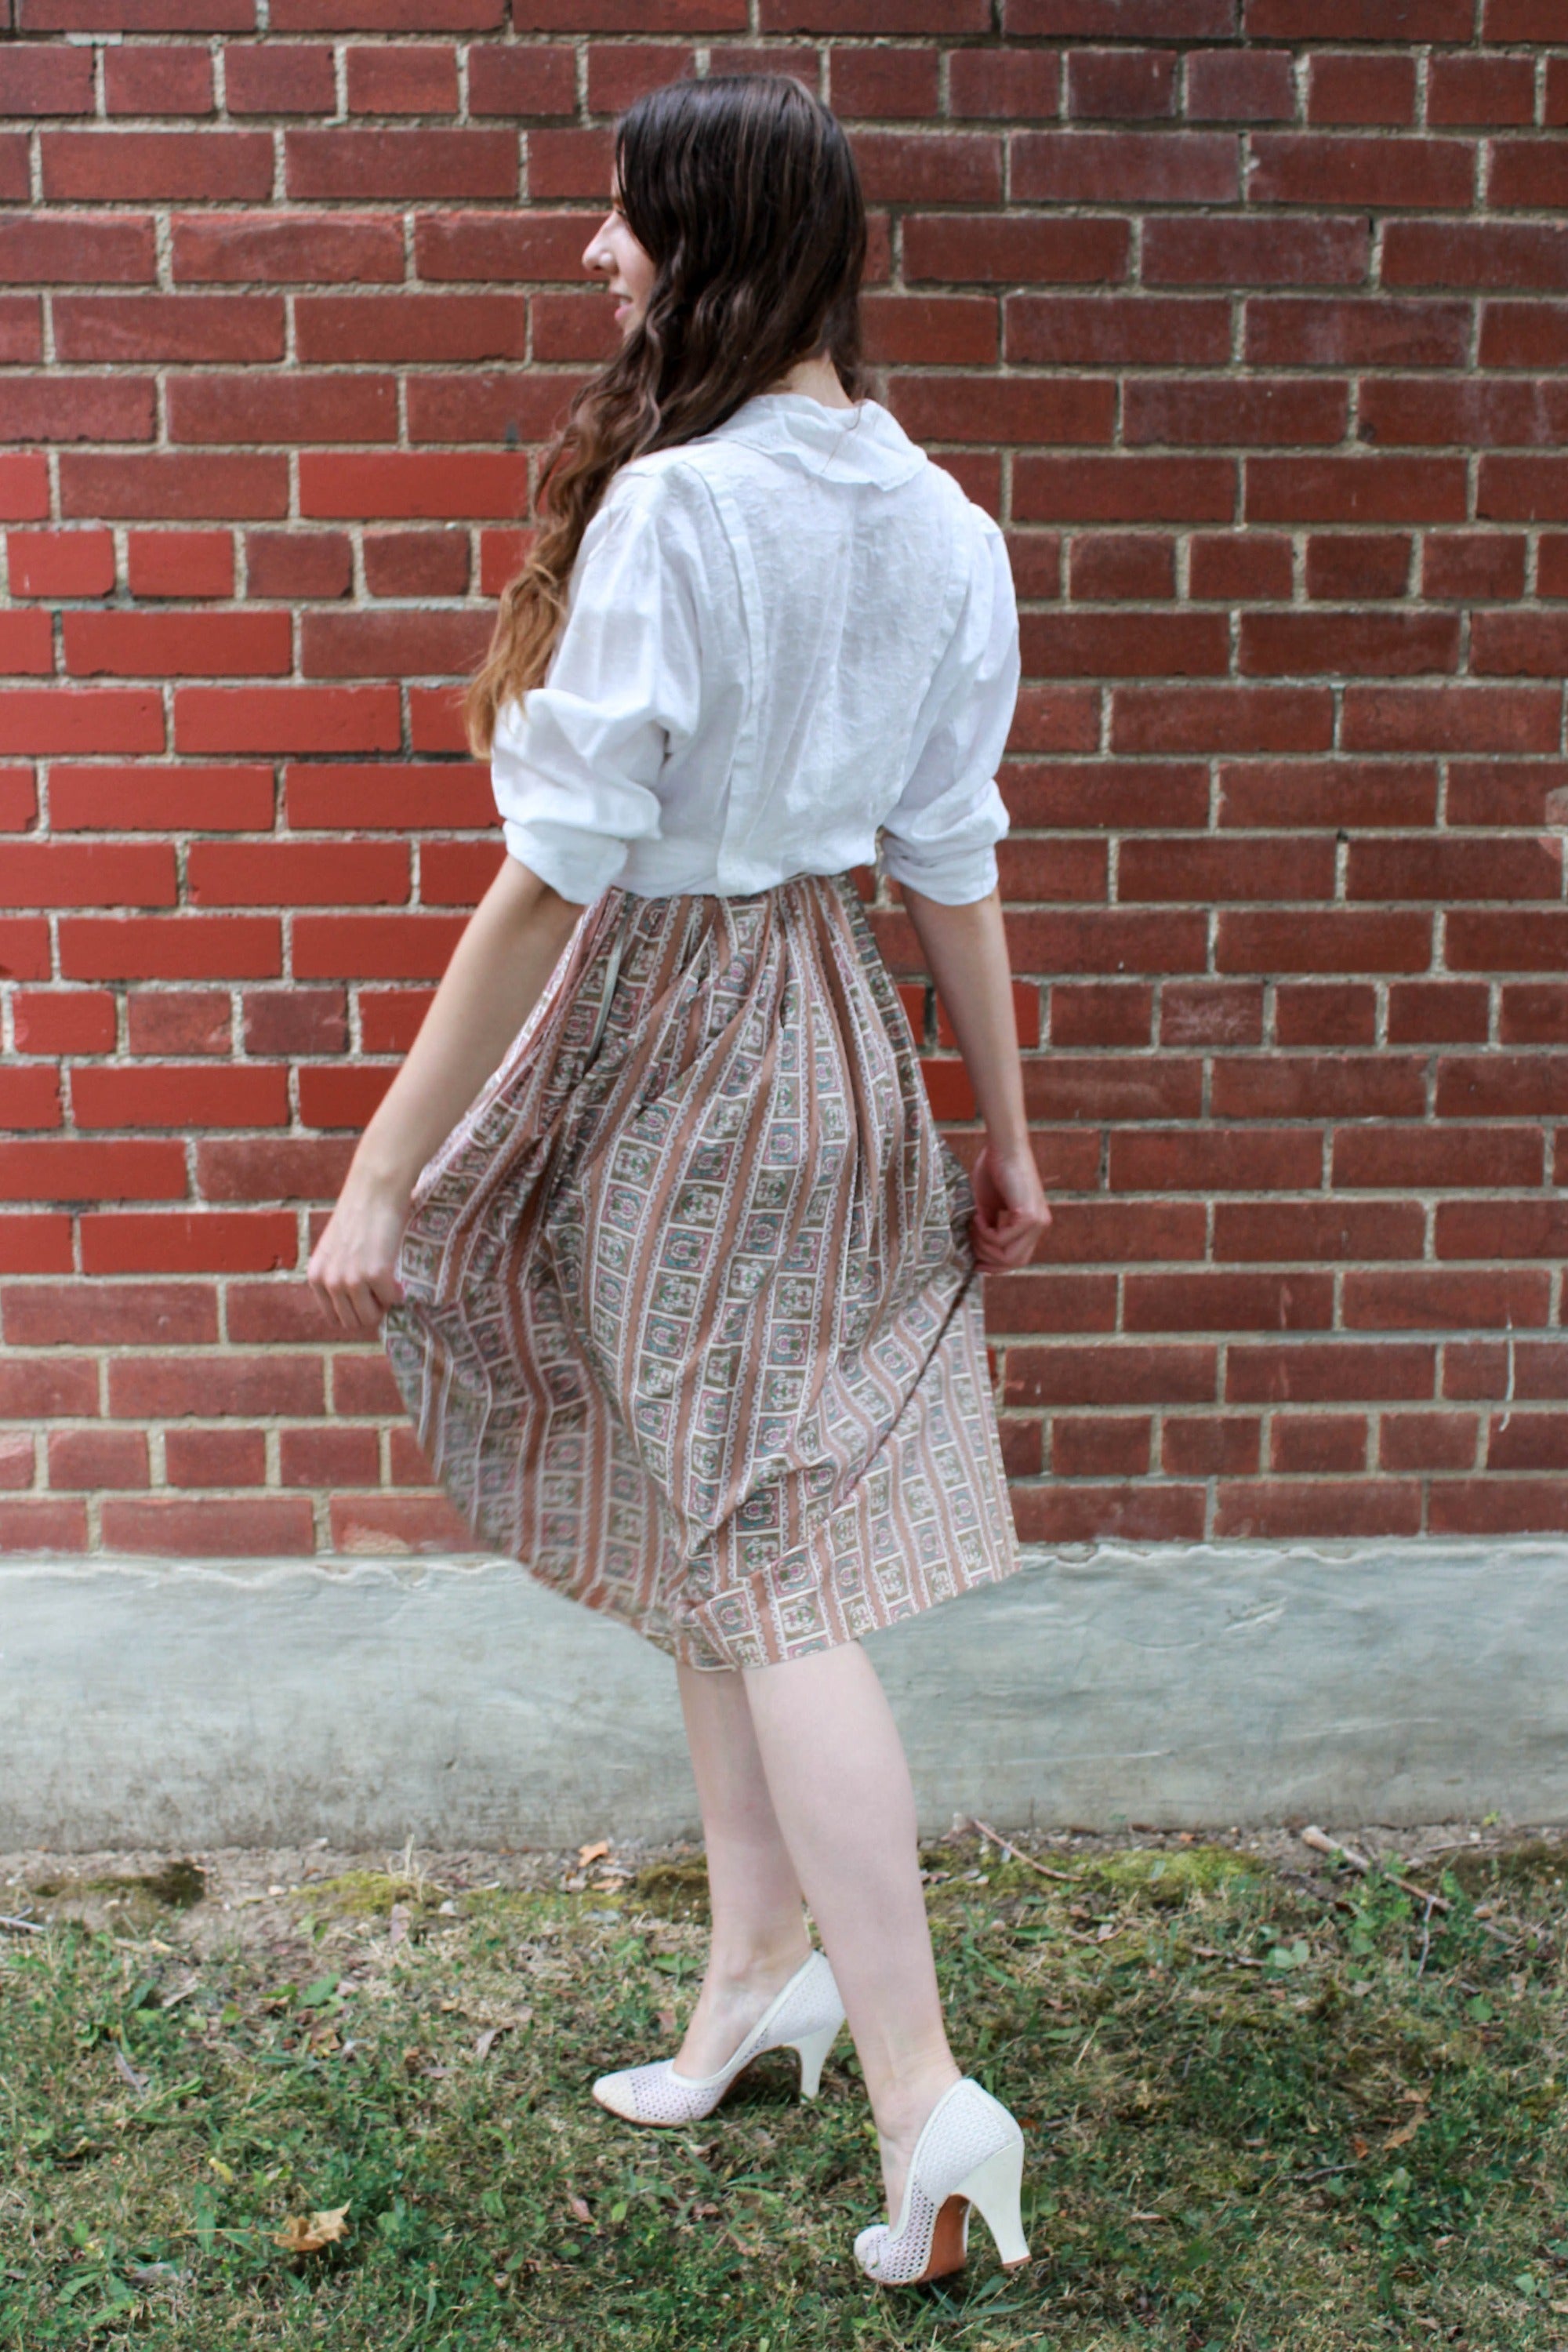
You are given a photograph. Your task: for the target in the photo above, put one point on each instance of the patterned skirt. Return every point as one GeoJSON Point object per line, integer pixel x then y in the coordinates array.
{"type": "Point", "coordinates": [692, 1325]}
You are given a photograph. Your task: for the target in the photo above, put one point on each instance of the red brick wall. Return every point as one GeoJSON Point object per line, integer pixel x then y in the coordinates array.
{"type": "Point", "coordinates": [1247, 316]}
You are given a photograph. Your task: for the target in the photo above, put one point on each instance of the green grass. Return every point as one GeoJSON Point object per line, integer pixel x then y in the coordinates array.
{"type": "Point", "coordinates": [1266, 2108]}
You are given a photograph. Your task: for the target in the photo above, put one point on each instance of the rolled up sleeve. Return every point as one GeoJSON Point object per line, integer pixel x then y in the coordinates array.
{"type": "Point", "coordinates": [941, 837]}
{"type": "Point", "coordinates": [574, 766]}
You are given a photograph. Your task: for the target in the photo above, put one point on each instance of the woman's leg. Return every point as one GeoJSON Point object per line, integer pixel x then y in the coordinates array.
{"type": "Point", "coordinates": [841, 1793]}
{"type": "Point", "coordinates": [758, 1934]}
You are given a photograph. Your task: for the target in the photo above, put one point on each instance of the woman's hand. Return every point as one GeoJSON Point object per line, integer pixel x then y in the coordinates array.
{"type": "Point", "coordinates": [354, 1267]}
{"type": "Point", "coordinates": [1010, 1211]}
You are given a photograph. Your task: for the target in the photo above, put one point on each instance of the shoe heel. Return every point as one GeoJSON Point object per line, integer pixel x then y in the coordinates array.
{"type": "Point", "coordinates": [995, 2187]}
{"type": "Point", "coordinates": [814, 2049]}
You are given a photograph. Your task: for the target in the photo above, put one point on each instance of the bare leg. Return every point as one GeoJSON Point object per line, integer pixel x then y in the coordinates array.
{"type": "Point", "coordinates": [759, 1935]}
{"type": "Point", "coordinates": [841, 1791]}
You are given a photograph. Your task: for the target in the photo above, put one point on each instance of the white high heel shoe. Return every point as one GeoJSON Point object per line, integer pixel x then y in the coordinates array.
{"type": "Point", "coordinates": [804, 2017]}
{"type": "Point", "coordinates": [969, 2152]}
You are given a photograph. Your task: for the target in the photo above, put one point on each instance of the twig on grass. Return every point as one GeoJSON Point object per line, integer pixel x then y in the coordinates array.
{"type": "Point", "coordinates": [1321, 1843]}
{"type": "Point", "coordinates": [1069, 1877]}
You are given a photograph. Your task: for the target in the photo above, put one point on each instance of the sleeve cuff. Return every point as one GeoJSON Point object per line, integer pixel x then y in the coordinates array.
{"type": "Point", "coordinates": [953, 878]}
{"type": "Point", "coordinates": [576, 864]}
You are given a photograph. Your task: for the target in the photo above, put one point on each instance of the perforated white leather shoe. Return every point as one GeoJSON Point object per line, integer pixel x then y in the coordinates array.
{"type": "Point", "coordinates": [804, 2017]}
{"type": "Point", "coordinates": [969, 2152]}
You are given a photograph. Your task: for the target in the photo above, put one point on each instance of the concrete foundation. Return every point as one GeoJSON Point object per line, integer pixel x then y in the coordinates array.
{"type": "Point", "coordinates": [160, 1704]}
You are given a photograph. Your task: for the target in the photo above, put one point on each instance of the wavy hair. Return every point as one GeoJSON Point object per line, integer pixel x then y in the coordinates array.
{"type": "Point", "coordinates": [742, 191]}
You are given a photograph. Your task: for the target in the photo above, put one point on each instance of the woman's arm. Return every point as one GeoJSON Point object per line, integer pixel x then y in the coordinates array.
{"type": "Point", "coordinates": [965, 949]}
{"type": "Point", "coordinates": [510, 945]}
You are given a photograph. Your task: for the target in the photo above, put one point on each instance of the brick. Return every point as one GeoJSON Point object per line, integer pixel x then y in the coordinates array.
{"type": "Point", "coordinates": [389, 797]}
{"type": "Point", "coordinates": [1109, 329]}
{"type": "Point", "coordinates": [159, 799]}
{"type": "Point", "coordinates": [1207, 1161]}
{"type": "Point", "coordinates": [1214, 1299]}
{"type": "Point", "coordinates": [397, 79]}
{"type": "Point", "coordinates": [1319, 1232]}
{"type": "Point", "coordinates": [171, 947]}
{"type": "Point", "coordinates": [1523, 334]}
{"type": "Point", "coordinates": [1221, 719]}
{"type": "Point", "coordinates": [1210, 1012]}
{"type": "Point", "coordinates": [413, 485]}
{"type": "Point", "coordinates": [1223, 565]}
{"type": "Point", "coordinates": [1109, 1373]}
{"type": "Point", "coordinates": [1452, 716]}
{"type": "Point", "coordinates": [1498, 1507]}
{"type": "Point", "coordinates": [199, 645]}
{"type": "Point", "coordinates": [18, 800]}
{"type": "Point", "coordinates": [330, 1457]}
{"type": "Point", "coordinates": [39, 1523]}
{"type": "Point", "coordinates": [45, 81]}
{"type": "Point", "coordinates": [1355, 332]}
{"type": "Point", "coordinates": [216, 1457]}
{"type": "Point", "coordinates": [101, 1314]}
{"type": "Point", "coordinates": [169, 1021]}
{"type": "Point", "coordinates": [267, 1168]}
{"type": "Point", "coordinates": [335, 329]}
{"type": "Point", "coordinates": [1423, 867]}
{"type": "Point", "coordinates": [29, 1099]}
{"type": "Point", "coordinates": [180, 563]}
{"type": "Point", "coordinates": [1472, 566]}
{"type": "Point", "coordinates": [78, 873]}
{"type": "Point", "coordinates": [278, 78]}
{"type": "Point", "coordinates": [1126, 567]}
{"type": "Point", "coordinates": [283, 249]}
{"type": "Point", "coordinates": [1489, 1371]}
{"type": "Point", "coordinates": [59, 407]}
{"type": "Point", "coordinates": [978, 248]}
{"type": "Point", "coordinates": [390, 1018]}
{"type": "Point", "coordinates": [74, 1020]}
{"type": "Point", "coordinates": [297, 563]}
{"type": "Point", "coordinates": [399, 1523]}
{"type": "Point", "coordinates": [175, 1096]}
{"type": "Point", "coordinates": [210, 1530]}
{"type": "Point", "coordinates": [86, 1460]}
{"type": "Point", "coordinates": [1018, 84]}
{"type": "Point", "coordinates": [1340, 794]}
{"type": "Point", "coordinates": [1209, 1445]}
{"type": "Point", "coordinates": [1496, 1228]}
{"type": "Point", "coordinates": [1111, 1446]}
{"type": "Point", "coordinates": [1523, 489]}
{"type": "Point", "coordinates": [1319, 1506]}
{"type": "Point", "coordinates": [1437, 1298]}
{"type": "Point", "coordinates": [1197, 409]}
{"type": "Point", "coordinates": [58, 563]}
{"type": "Point", "coordinates": [1056, 1513]}
{"type": "Point", "coordinates": [403, 643]}
{"type": "Point", "coordinates": [286, 718]}
{"type": "Point", "coordinates": [85, 166]}
{"type": "Point", "coordinates": [1110, 1013]}
{"type": "Point", "coordinates": [1313, 1443]}
{"type": "Point", "coordinates": [24, 488]}
{"type": "Point", "coordinates": [286, 408]}
{"type": "Point", "coordinates": [1527, 172]}
{"type": "Point", "coordinates": [157, 483]}
{"type": "Point", "coordinates": [335, 165]}
{"type": "Point", "coordinates": [866, 83]}
{"type": "Point", "coordinates": [1122, 85]}
{"type": "Point", "coordinates": [164, 80]}
{"type": "Point", "coordinates": [1356, 489]}
{"type": "Point", "coordinates": [1529, 1015]}
{"type": "Point", "coordinates": [1429, 1158]}
{"type": "Point", "coordinates": [1350, 86]}
{"type": "Point", "coordinates": [1329, 1372]}
{"type": "Point", "coordinates": [951, 328]}
{"type": "Point", "coordinates": [531, 80]}
{"type": "Point", "coordinates": [208, 1243]}
{"type": "Point", "coordinates": [26, 647]}
{"type": "Point", "coordinates": [1358, 564]}
{"type": "Point", "coordinates": [1358, 20]}
{"type": "Point", "coordinates": [1325, 1012]}
{"type": "Point", "coordinates": [1124, 19]}
{"type": "Point", "coordinates": [21, 329]}
{"type": "Point", "coordinates": [1437, 1013]}
{"type": "Point", "coordinates": [1528, 942]}
{"type": "Point", "coordinates": [1318, 1086]}
{"type": "Point", "coordinates": [215, 1388]}
{"type": "Point", "coordinates": [1219, 870]}
{"type": "Point", "coordinates": [66, 248]}
{"type": "Point", "coordinates": [1239, 251]}
{"type": "Point", "coordinates": [1427, 1440]}
{"type": "Point", "coordinates": [1490, 255]}
{"type": "Point", "coordinates": [1502, 1086]}
{"type": "Point", "coordinates": [1124, 489]}
{"type": "Point", "coordinates": [1124, 167]}
{"type": "Point", "coordinates": [1116, 1089]}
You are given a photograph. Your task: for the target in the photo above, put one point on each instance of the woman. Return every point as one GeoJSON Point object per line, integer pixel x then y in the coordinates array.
{"type": "Point", "coordinates": [679, 1280]}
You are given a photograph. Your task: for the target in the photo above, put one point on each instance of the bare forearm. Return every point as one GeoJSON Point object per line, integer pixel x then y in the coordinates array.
{"type": "Point", "coordinates": [498, 968]}
{"type": "Point", "coordinates": [965, 949]}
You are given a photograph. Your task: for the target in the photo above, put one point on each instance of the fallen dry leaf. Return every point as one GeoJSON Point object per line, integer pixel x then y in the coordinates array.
{"type": "Point", "coordinates": [398, 1928]}
{"type": "Point", "coordinates": [587, 1853]}
{"type": "Point", "coordinates": [579, 2207]}
{"type": "Point", "coordinates": [493, 2033]}
{"type": "Point", "coordinates": [1358, 2145]}
{"type": "Point", "coordinates": [666, 2020]}
{"type": "Point", "coordinates": [307, 2233]}
{"type": "Point", "coordinates": [128, 2073]}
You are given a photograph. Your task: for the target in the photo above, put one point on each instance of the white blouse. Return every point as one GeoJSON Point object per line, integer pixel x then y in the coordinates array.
{"type": "Point", "coordinates": [779, 638]}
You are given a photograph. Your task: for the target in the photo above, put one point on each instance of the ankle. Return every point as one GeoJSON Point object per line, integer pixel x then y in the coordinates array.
{"type": "Point", "coordinates": [737, 1968]}
{"type": "Point", "coordinates": [901, 2105]}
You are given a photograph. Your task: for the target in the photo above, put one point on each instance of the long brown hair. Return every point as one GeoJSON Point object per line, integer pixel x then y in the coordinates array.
{"type": "Point", "coordinates": [742, 191]}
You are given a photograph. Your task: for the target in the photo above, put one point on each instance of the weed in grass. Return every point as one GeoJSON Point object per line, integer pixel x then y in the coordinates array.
{"type": "Point", "coordinates": [1269, 2110]}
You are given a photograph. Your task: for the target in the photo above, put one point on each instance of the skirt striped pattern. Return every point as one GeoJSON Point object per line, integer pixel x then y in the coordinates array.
{"type": "Point", "coordinates": [692, 1326]}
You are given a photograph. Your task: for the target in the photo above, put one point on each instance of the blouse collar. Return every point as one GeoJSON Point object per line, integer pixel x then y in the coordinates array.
{"type": "Point", "coordinates": [862, 444]}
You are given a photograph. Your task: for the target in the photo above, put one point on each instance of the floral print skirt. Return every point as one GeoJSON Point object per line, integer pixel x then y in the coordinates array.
{"type": "Point", "coordinates": [692, 1326]}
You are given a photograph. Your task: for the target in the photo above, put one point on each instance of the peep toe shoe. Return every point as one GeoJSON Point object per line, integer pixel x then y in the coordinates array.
{"type": "Point", "coordinates": [969, 2152]}
{"type": "Point", "coordinates": [804, 2017]}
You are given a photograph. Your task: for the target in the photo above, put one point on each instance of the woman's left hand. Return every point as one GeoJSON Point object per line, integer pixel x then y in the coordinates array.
{"type": "Point", "coordinates": [354, 1267]}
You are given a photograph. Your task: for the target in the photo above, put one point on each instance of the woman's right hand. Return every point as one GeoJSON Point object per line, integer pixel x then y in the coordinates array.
{"type": "Point", "coordinates": [354, 1267]}
{"type": "Point", "coordinates": [1010, 1210]}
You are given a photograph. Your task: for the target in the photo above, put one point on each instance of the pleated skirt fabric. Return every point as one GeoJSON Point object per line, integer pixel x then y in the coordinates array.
{"type": "Point", "coordinates": [692, 1326]}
